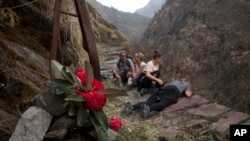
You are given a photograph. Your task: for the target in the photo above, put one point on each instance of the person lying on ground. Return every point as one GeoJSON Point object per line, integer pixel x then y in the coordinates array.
{"type": "Point", "coordinates": [165, 96]}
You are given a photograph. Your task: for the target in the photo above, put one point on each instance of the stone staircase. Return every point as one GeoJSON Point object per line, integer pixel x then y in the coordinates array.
{"type": "Point", "coordinates": [107, 60]}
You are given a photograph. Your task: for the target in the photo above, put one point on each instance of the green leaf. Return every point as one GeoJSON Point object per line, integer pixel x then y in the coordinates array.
{"type": "Point", "coordinates": [82, 116]}
{"type": "Point", "coordinates": [101, 132]}
{"type": "Point", "coordinates": [61, 86]}
{"type": "Point", "coordinates": [59, 91]}
{"type": "Point", "coordinates": [112, 92]}
{"type": "Point", "coordinates": [66, 104]}
{"type": "Point", "coordinates": [90, 74]}
{"type": "Point", "coordinates": [79, 84]}
{"type": "Point", "coordinates": [102, 119]}
{"type": "Point", "coordinates": [68, 74]}
{"type": "Point", "coordinates": [61, 83]}
{"type": "Point", "coordinates": [76, 98]}
{"type": "Point", "coordinates": [56, 67]}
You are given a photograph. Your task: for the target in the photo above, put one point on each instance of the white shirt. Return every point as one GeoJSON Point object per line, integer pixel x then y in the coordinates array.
{"type": "Point", "coordinates": [150, 67]}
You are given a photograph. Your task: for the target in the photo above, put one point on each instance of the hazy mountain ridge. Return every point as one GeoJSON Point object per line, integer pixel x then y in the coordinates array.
{"type": "Point", "coordinates": [151, 8]}
{"type": "Point", "coordinates": [208, 40]}
{"type": "Point", "coordinates": [131, 25]}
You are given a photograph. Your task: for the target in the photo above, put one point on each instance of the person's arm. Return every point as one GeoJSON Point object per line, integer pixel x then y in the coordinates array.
{"type": "Point", "coordinates": [151, 77]}
{"type": "Point", "coordinates": [148, 69]}
{"type": "Point", "coordinates": [132, 67]}
{"type": "Point", "coordinates": [114, 70]}
{"type": "Point", "coordinates": [188, 91]}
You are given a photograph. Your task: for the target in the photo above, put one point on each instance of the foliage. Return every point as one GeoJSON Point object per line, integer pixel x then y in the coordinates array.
{"type": "Point", "coordinates": [85, 94]}
{"type": "Point", "coordinates": [8, 17]}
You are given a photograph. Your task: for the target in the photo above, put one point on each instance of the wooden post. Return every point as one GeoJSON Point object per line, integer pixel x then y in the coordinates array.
{"type": "Point", "coordinates": [89, 43]}
{"type": "Point", "coordinates": [55, 34]}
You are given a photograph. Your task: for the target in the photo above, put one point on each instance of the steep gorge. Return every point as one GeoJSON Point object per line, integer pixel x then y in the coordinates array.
{"type": "Point", "coordinates": [208, 40]}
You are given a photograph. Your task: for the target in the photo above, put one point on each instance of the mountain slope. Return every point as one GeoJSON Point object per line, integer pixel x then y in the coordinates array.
{"type": "Point", "coordinates": [151, 8]}
{"type": "Point", "coordinates": [208, 40]}
{"type": "Point", "coordinates": [131, 25]}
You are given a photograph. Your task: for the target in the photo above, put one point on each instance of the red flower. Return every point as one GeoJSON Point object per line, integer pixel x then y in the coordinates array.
{"type": "Point", "coordinates": [82, 75]}
{"type": "Point", "coordinates": [94, 101]}
{"type": "Point", "coordinates": [79, 91]}
{"type": "Point", "coordinates": [97, 85]}
{"type": "Point", "coordinates": [115, 123]}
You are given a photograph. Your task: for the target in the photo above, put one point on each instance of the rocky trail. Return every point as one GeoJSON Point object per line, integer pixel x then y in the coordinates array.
{"type": "Point", "coordinates": [189, 117]}
{"type": "Point", "coordinates": [194, 118]}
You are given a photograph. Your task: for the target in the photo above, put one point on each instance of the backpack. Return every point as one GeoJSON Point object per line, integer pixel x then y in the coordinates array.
{"type": "Point", "coordinates": [130, 57]}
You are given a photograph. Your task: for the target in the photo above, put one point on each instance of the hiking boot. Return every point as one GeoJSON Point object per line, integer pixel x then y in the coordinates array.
{"type": "Point", "coordinates": [128, 108]}
{"type": "Point", "coordinates": [145, 111]}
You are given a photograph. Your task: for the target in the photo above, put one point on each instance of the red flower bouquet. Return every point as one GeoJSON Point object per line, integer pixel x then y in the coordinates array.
{"type": "Point", "coordinates": [86, 94]}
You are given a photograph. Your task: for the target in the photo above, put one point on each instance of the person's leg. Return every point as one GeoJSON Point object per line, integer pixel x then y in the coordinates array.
{"type": "Point", "coordinates": [144, 82]}
{"type": "Point", "coordinates": [145, 107]}
{"type": "Point", "coordinates": [148, 111]}
{"type": "Point", "coordinates": [163, 103]}
{"type": "Point", "coordinates": [151, 100]}
{"type": "Point", "coordinates": [144, 86]}
{"type": "Point", "coordinates": [128, 108]}
{"type": "Point", "coordinates": [134, 80]}
{"type": "Point", "coordinates": [157, 75]}
{"type": "Point", "coordinates": [123, 79]}
{"type": "Point", "coordinates": [137, 105]}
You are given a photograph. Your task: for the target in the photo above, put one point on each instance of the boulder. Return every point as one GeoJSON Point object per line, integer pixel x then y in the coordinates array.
{"type": "Point", "coordinates": [32, 126]}
{"type": "Point", "coordinates": [50, 102]}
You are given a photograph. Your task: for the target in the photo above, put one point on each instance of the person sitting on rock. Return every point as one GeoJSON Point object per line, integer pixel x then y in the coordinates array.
{"type": "Point", "coordinates": [151, 75]}
{"type": "Point", "coordinates": [140, 68]}
{"type": "Point", "coordinates": [165, 96]}
{"type": "Point", "coordinates": [123, 69]}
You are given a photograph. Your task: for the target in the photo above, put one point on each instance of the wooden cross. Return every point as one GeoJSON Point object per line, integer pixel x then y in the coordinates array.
{"type": "Point", "coordinates": [88, 43]}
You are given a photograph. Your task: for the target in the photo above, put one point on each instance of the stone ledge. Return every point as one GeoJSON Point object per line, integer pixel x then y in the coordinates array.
{"type": "Point", "coordinates": [221, 128]}
{"type": "Point", "coordinates": [209, 110]}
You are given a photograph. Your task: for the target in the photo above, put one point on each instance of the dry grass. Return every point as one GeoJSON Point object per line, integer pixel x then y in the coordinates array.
{"type": "Point", "coordinates": [134, 129]}
{"type": "Point", "coordinates": [7, 125]}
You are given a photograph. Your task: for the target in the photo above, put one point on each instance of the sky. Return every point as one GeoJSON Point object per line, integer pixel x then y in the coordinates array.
{"type": "Point", "coordinates": [125, 5]}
